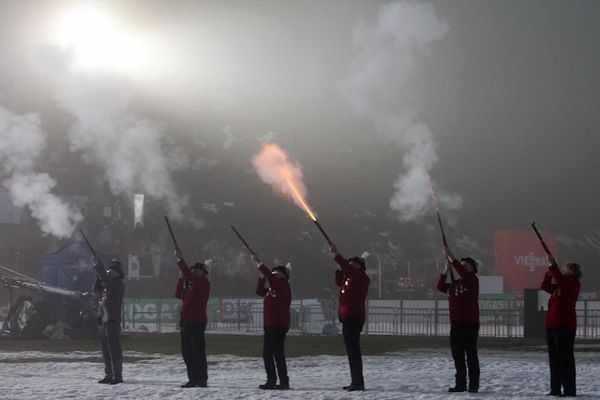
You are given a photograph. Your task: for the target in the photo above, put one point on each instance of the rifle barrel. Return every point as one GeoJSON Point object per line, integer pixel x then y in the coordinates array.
{"type": "Point", "coordinates": [546, 249]}
{"type": "Point", "coordinates": [242, 239]}
{"type": "Point", "coordinates": [88, 243]}
{"type": "Point", "coordinates": [439, 218]}
{"type": "Point", "coordinates": [444, 241]}
{"type": "Point", "coordinates": [322, 231]}
{"type": "Point", "coordinates": [171, 232]}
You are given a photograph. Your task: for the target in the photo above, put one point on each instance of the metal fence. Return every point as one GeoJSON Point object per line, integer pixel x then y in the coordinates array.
{"type": "Point", "coordinates": [503, 318]}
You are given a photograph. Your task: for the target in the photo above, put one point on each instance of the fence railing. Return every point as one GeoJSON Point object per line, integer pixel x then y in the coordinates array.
{"type": "Point", "coordinates": [503, 318]}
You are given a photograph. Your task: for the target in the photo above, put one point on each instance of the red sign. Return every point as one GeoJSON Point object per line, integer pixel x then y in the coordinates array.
{"type": "Point", "coordinates": [520, 258]}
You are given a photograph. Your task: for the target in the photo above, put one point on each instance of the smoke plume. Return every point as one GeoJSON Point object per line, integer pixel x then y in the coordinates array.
{"type": "Point", "coordinates": [128, 147]}
{"type": "Point", "coordinates": [23, 141]}
{"type": "Point", "coordinates": [375, 85]}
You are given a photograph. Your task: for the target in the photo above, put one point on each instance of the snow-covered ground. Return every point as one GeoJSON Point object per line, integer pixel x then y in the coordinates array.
{"type": "Point", "coordinates": [418, 374]}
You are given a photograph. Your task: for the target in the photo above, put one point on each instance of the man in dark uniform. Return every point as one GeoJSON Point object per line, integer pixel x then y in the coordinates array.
{"type": "Point", "coordinates": [193, 288]}
{"type": "Point", "coordinates": [111, 289]}
{"type": "Point", "coordinates": [354, 287]}
{"type": "Point", "coordinates": [276, 320]}
{"type": "Point", "coordinates": [463, 303]}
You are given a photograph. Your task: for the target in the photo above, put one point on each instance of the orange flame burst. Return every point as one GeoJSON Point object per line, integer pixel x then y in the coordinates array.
{"type": "Point", "coordinates": [274, 167]}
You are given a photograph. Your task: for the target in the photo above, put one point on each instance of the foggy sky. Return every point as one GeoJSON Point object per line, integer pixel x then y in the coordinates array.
{"type": "Point", "coordinates": [507, 90]}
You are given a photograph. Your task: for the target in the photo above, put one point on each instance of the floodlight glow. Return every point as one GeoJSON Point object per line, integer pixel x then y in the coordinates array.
{"type": "Point", "coordinates": [96, 42]}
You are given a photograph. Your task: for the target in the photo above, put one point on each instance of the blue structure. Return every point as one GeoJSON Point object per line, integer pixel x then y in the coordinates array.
{"type": "Point", "coordinates": [70, 267]}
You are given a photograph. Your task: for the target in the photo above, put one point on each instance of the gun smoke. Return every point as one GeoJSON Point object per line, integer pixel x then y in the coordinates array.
{"type": "Point", "coordinates": [376, 87]}
{"type": "Point", "coordinates": [23, 141]}
{"type": "Point", "coordinates": [129, 148]}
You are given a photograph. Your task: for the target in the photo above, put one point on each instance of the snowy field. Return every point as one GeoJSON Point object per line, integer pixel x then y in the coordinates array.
{"type": "Point", "coordinates": [410, 375]}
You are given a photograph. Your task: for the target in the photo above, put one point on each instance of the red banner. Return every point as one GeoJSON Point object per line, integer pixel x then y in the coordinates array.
{"type": "Point", "coordinates": [520, 258]}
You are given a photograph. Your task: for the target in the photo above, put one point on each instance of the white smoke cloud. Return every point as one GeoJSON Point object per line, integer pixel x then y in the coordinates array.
{"type": "Point", "coordinates": [229, 137]}
{"type": "Point", "coordinates": [268, 137]}
{"type": "Point", "coordinates": [22, 143]}
{"type": "Point", "coordinates": [594, 240]}
{"type": "Point", "coordinates": [589, 242]}
{"type": "Point", "coordinates": [212, 207]}
{"type": "Point", "coordinates": [203, 162]}
{"type": "Point", "coordinates": [129, 148]}
{"type": "Point", "coordinates": [375, 86]}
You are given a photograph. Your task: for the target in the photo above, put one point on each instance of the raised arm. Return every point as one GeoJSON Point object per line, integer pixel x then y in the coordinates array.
{"type": "Point", "coordinates": [261, 289]}
{"type": "Point", "coordinates": [100, 273]}
{"type": "Point", "coordinates": [341, 261]}
{"type": "Point", "coordinates": [98, 286]}
{"type": "Point", "coordinates": [179, 289]}
{"type": "Point", "coordinates": [442, 285]}
{"type": "Point", "coordinates": [555, 272]}
{"type": "Point", "coordinates": [547, 285]}
{"type": "Point", "coordinates": [186, 273]}
{"type": "Point", "coordinates": [263, 269]}
{"type": "Point", "coordinates": [339, 278]}
{"type": "Point", "coordinates": [449, 255]}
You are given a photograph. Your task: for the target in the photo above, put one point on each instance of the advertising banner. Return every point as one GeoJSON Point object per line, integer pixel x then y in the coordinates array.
{"type": "Point", "coordinates": [148, 310]}
{"type": "Point", "coordinates": [520, 258]}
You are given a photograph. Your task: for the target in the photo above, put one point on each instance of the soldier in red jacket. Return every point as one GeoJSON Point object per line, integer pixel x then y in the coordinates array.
{"type": "Point", "coordinates": [561, 324]}
{"type": "Point", "coordinates": [354, 287]}
{"type": "Point", "coordinates": [274, 287]}
{"type": "Point", "coordinates": [463, 302]}
{"type": "Point", "coordinates": [193, 288]}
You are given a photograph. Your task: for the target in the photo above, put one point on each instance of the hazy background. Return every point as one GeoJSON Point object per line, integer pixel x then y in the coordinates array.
{"type": "Point", "coordinates": [497, 100]}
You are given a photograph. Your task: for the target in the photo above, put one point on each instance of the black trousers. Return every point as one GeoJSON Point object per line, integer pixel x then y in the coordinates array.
{"type": "Point", "coordinates": [351, 328]}
{"type": "Point", "coordinates": [193, 350]}
{"type": "Point", "coordinates": [562, 360]}
{"type": "Point", "coordinates": [273, 354]}
{"type": "Point", "coordinates": [110, 339]}
{"type": "Point", "coordinates": [463, 341]}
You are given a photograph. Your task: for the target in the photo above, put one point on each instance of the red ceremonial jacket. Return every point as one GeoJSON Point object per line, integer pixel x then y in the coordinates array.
{"type": "Point", "coordinates": [564, 292]}
{"type": "Point", "coordinates": [354, 287]}
{"type": "Point", "coordinates": [276, 299]}
{"type": "Point", "coordinates": [463, 294]}
{"type": "Point", "coordinates": [194, 291]}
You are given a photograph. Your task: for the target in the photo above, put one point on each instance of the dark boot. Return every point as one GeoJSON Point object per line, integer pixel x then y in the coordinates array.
{"type": "Point", "coordinates": [457, 389]}
{"type": "Point", "coordinates": [354, 388]}
{"type": "Point", "coordinates": [189, 384]}
{"type": "Point", "coordinates": [106, 379]}
{"type": "Point", "coordinates": [116, 381]}
{"type": "Point", "coordinates": [267, 386]}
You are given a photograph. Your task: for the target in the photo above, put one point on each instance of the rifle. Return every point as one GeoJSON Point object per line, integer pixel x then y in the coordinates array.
{"type": "Point", "coordinates": [444, 241]}
{"type": "Point", "coordinates": [242, 239]}
{"type": "Point", "coordinates": [546, 249]}
{"type": "Point", "coordinates": [88, 243]}
{"type": "Point", "coordinates": [171, 232]}
{"type": "Point", "coordinates": [322, 231]}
